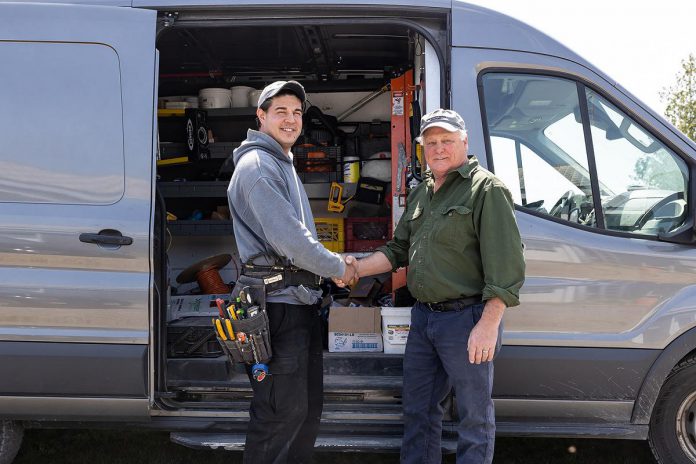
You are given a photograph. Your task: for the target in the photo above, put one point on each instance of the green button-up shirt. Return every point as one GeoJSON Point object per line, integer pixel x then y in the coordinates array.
{"type": "Point", "coordinates": [460, 241]}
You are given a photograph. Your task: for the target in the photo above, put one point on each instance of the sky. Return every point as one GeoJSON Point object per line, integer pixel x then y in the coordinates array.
{"type": "Point", "coordinates": [638, 43]}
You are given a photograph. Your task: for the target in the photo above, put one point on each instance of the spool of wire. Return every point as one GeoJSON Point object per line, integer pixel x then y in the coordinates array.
{"type": "Point", "coordinates": [207, 274]}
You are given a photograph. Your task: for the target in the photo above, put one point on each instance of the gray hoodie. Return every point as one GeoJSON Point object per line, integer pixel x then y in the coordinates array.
{"type": "Point", "coordinates": [271, 214]}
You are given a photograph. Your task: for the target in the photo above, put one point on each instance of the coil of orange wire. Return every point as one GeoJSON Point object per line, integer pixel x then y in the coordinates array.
{"type": "Point", "coordinates": [207, 273]}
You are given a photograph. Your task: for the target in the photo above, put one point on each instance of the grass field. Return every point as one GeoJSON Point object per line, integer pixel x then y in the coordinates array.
{"type": "Point", "coordinates": [131, 447]}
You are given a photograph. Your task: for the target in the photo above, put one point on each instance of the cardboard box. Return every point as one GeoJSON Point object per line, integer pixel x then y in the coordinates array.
{"type": "Point", "coordinates": [355, 329]}
{"type": "Point", "coordinates": [193, 305]}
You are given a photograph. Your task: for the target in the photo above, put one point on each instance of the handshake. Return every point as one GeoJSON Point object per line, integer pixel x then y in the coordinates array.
{"type": "Point", "coordinates": [351, 275]}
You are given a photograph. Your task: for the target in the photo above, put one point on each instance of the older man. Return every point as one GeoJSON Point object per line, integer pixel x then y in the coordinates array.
{"type": "Point", "coordinates": [459, 237]}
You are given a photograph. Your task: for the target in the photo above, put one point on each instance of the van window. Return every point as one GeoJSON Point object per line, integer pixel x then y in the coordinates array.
{"type": "Point", "coordinates": [646, 181]}
{"type": "Point", "coordinates": [537, 139]}
{"type": "Point", "coordinates": [61, 124]}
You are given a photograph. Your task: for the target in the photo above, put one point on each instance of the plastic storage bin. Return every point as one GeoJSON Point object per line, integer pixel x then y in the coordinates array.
{"type": "Point", "coordinates": [366, 234]}
{"type": "Point", "coordinates": [396, 323]}
{"type": "Point", "coordinates": [330, 233]}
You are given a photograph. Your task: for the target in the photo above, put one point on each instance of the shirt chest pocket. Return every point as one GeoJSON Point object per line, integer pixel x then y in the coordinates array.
{"type": "Point", "coordinates": [454, 225]}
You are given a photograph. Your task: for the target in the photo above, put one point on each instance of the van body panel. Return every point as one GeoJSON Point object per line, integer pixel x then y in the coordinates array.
{"type": "Point", "coordinates": [585, 287]}
{"type": "Point", "coordinates": [471, 27]}
{"type": "Point", "coordinates": [94, 298]}
{"type": "Point", "coordinates": [52, 408]}
{"type": "Point", "coordinates": [73, 369]}
{"type": "Point", "coordinates": [601, 374]}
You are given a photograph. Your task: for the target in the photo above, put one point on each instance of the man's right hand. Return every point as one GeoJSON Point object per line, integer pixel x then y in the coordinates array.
{"type": "Point", "coordinates": [351, 275]}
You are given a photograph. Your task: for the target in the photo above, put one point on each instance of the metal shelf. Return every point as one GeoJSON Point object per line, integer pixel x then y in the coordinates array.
{"type": "Point", "coordinates": [195, 189]}
{"type": "Point", "coordinates": [200, 228]}
{"type": "Point", "coordinates": [211, 112]}
{"type": "Point", "coordinates": [218, 189]}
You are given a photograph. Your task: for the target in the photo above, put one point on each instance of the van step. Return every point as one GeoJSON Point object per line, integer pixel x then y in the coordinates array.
{"type": "Point", "coordinates": [332, 384]}
{"type": "Point", "coordinates": [332, 412]}
{"type": "Point", "coordinates": [235, 442]}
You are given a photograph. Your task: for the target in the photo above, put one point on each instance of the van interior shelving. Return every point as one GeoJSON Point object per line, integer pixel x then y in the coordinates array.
{"type": "Point", "coordinates": [339, 64]}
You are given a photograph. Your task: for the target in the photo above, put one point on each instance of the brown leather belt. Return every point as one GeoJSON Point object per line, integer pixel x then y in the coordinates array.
{"type": "Point", "coordinates": [453, 305]}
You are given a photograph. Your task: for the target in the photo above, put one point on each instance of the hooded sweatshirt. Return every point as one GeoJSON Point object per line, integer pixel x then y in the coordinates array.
{"type": "Point", "coordinates": [271, 215]}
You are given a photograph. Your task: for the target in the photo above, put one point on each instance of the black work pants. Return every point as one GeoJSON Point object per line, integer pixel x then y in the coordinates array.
{"type": "Point", "coordinates": [286, 408]}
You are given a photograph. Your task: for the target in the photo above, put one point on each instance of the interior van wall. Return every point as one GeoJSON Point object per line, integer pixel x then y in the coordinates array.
{"type": "Point", "coordinates": [335, 103]}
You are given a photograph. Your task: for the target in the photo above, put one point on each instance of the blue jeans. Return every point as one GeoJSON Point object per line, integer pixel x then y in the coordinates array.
{"type": "Point", "coordinates": [436, 360]}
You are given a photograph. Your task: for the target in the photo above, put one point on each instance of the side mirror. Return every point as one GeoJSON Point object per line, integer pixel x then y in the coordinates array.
{"type": "Point", "coordinates": [684, 234]}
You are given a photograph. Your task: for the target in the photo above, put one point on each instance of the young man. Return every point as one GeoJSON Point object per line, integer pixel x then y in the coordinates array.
{"type": "Point", "coordinates": [460, 240]}
{"type": "Point", "coordinates": [273, 224]}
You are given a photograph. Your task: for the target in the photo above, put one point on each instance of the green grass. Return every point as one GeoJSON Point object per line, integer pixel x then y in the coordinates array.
{"type": "Point", "coordinates": [139, 447]}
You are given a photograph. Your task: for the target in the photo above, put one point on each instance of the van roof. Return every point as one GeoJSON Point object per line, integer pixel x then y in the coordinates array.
{"type": "Point", "coordinates": [474, 23]}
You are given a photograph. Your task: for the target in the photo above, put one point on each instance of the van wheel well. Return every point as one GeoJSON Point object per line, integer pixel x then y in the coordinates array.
{"type": "Point", "coordinates": [672, 435]}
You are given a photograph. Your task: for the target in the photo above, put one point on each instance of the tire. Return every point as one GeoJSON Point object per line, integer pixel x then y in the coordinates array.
{"type": "Point", "coordinates": [10, 440]}
{"type": "Point", "coordinates": [672, 433]}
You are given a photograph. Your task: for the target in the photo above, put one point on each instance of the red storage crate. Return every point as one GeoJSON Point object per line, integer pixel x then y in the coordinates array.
{"type": "Point", "coordinates": [366, 233]}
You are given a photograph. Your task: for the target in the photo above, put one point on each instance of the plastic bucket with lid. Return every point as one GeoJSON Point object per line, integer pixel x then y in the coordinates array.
{"type": "Point", "coordinates": [396, 324]}
{"type": "Point", "coordinates": [240, 96]}
{"type": "Point", "coordinates": [214, 98]}
{"type": "Point", "coordinates": [254, 97]}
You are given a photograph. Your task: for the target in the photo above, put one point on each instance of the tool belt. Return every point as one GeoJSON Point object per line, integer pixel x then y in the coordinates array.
{"type": "Point", "coordinates": [250, 340]}
{"type": "Point", "coordinates": [279, 277]}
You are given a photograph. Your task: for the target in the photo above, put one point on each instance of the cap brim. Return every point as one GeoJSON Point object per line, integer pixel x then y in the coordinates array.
{"type": "Point", "coordinates": [442, 124]}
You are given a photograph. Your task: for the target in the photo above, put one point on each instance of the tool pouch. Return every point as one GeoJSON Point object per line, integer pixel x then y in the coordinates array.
{"type": "Point", "coordinates": [255, 328]}
{"type": "Point", "coordinates": [256, 338]}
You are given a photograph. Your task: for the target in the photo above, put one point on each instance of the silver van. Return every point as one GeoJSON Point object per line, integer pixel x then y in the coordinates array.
{"type": "Point", "coordinates": [101, 201]}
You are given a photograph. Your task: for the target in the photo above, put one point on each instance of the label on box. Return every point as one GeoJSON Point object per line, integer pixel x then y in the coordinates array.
{"type": "Point", "coordinates": [397, 333]}
{"type": "Point", "coordinates": [193, 305]}
{"type": "Point", "coordinates": [349, 342]}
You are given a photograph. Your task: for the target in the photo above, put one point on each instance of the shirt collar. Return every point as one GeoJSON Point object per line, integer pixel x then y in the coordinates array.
{"type": "Point", "coordinates": [464, 170]}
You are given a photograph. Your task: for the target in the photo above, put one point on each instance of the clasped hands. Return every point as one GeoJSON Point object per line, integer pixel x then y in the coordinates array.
{"type": "Point", "coordinates": [351, 275]}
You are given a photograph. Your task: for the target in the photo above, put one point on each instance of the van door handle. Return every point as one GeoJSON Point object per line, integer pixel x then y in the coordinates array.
{"type": "Point", "coordinates": [106, 237]}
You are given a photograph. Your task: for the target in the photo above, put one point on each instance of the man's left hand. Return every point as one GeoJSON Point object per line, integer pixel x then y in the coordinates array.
{"type": "Point", "coordinates": [484, 335]}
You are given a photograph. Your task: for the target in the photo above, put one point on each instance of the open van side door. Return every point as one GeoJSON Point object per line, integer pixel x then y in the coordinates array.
{"type": "Point", "coordinates": [76, 168]}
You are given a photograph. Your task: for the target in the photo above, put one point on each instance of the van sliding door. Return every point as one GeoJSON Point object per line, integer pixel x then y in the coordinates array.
{"type": "Point", "coordinates": [77, 92]}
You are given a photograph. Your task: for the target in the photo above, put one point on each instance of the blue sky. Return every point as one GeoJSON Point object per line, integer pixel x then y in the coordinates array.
{"type": "Point", "coordinates": [638, 43]}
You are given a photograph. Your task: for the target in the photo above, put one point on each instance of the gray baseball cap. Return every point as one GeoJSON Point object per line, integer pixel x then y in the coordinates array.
{"type": "Point", "coordinates": [446, 119]}
{"type": "Point", "coordinates": [271, 90]}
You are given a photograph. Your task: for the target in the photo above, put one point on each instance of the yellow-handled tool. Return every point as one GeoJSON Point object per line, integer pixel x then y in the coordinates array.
{"type": "Point", "coordinates": [335, 196]}
{"type": "Point", "coordinates": [218, 327]}
{"type": "Point", "coordinates": [230, 330]}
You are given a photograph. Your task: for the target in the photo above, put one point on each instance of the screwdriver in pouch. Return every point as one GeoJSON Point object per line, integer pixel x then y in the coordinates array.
{"type": "Point", "coordinates": [230, 331]}
{"type": "Point", "coordinates": [220, 303]}
{"type": "Point", "coordinates": [218, 327]}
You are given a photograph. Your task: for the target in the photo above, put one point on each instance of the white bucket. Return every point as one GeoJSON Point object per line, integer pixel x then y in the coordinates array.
{"type": "Point", "coordinates": [214, 98]}
{"type": "Point", "coordinates": [396, 324]}
{"type": "Point", "coordinates": [254, 97]}
{"type": "Point", "coordinates": [240, 96]}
